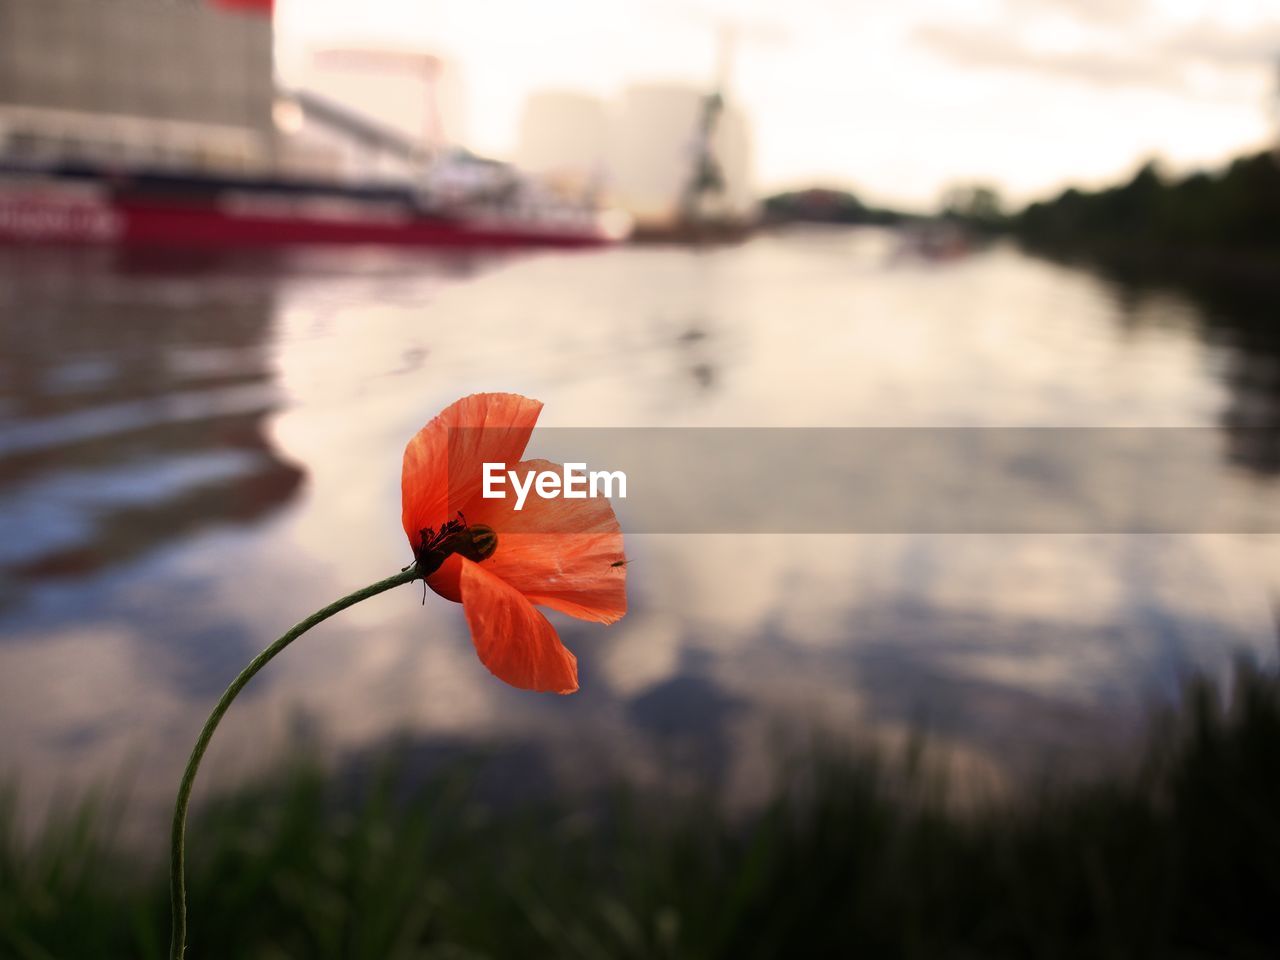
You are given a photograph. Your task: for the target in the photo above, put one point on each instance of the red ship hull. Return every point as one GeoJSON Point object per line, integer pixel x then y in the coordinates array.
{"type": "Point", "coordinates": [72, 214]}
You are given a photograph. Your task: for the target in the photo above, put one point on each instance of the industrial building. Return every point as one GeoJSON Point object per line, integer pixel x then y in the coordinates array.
{"type": "Point", "coordinates": [186, 84]}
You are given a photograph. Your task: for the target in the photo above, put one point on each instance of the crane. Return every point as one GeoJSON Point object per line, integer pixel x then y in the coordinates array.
{"type": "Point", "coordinates": [706, 178]}
{"type": "Point", "coordinates": [426, 66]}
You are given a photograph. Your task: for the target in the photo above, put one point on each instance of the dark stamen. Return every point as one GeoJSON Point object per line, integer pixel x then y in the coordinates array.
{"type": "Point", "coordinates": [475, 542]}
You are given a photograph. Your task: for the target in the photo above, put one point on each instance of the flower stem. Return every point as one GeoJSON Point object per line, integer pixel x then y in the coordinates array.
{"type": "Point", "coordinates": [177, 855]}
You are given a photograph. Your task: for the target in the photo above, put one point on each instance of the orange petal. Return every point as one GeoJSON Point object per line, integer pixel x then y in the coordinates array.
{"type": "Point", "coordinates": [514, 640]}
{"type": "Point", "coordinates": [447, 581]}
{"type": "Point", "coordinates": [442, 464]}
{"type": "Point", "coordinates": [559, 553]}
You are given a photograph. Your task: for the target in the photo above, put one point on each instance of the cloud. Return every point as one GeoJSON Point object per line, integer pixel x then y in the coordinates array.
{"type": "Point", "coordinates": [1092, 11]}
{"type": "Point", "coordinates": [976, 47]}
{"type": "Point", "coordinates": [1106, 51]}
{"type": "Point", "coordinates": [1228, 47]}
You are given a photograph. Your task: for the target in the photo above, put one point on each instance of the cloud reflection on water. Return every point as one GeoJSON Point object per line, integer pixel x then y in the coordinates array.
{"type": "Point", "coordinates": [213, 528]}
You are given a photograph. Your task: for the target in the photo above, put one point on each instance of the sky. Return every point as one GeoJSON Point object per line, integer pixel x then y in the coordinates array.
{"type": "Point", "coordinates": [896, 100]}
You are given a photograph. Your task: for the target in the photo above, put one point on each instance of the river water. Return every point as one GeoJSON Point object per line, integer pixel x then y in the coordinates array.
{"type": "Point", "coordinates": [196, 452]}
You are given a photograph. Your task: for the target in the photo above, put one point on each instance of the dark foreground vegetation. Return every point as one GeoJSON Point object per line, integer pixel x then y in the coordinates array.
{"type": "Point", "coordinates": [1180, 858]}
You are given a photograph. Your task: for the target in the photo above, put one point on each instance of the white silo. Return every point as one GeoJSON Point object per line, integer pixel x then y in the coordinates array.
{"type": "Point", "coordinates": [564, 135]}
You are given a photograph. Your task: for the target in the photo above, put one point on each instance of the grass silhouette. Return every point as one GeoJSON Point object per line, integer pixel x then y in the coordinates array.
{"type": "Point", "coordinates": [853, 855]}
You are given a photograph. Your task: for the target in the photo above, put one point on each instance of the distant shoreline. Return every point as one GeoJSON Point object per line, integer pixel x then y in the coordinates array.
{"type": "Point", "coordinates": [1215, 267]}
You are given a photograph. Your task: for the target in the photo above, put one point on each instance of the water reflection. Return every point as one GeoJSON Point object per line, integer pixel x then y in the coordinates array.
{"type": "Point", "coordinates": [1234, 317]}
{"type": "Point", "coordinates": [193, 455]}
{"type": "Point", "coordinates": [137, 397]}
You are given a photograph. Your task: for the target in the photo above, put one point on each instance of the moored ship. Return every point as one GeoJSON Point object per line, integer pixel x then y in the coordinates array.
{"type": "Point", "coordinates": [158, 122]}
{"type": "Point", "coordinates": [86, 204]}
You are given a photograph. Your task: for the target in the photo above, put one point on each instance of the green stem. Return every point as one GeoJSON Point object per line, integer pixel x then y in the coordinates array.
{"type": "Point", "coordinates": [177, 857]}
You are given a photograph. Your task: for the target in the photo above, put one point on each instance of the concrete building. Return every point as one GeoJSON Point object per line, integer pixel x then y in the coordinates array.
{"type": "Point", "coordinates": [182, 83]}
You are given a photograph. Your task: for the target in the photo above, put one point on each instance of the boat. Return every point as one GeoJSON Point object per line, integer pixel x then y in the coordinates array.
{"type": "Point", "coordinates": [75, 203]}
{"type": "Point", "coordinates": [146, 123]}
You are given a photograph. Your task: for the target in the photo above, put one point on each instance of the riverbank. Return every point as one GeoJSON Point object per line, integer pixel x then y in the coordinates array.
{"type": "Point", "coordinates": [853, 855]}
{"type": "Point", "coordinates": [1219, 227]}
{"type": "Point", "coordinates": [1216, 270]}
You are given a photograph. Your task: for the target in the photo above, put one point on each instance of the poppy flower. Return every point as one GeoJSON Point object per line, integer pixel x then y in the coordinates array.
{"type": "Point", "coordinates": [499, 562]}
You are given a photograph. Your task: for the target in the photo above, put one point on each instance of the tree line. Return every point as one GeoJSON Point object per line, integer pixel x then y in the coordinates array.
{"type": "Point", "coordinates": [1237, 207]}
